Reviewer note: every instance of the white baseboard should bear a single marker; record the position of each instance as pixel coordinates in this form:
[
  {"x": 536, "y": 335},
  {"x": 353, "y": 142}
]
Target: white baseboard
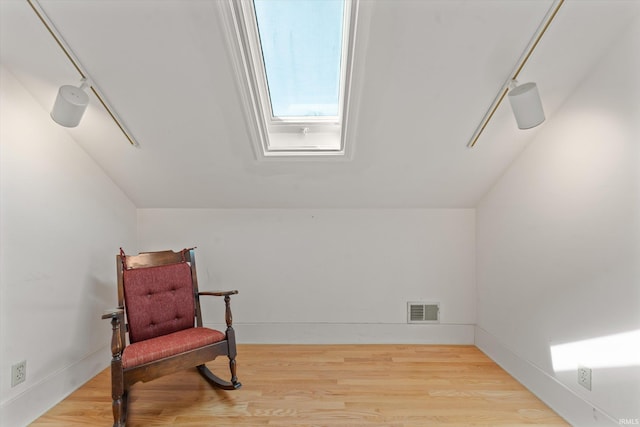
[
  {"x": 351, "y": 333},
  {"x": 41, "y": 396},
  {"x": 573, "y": 408}
]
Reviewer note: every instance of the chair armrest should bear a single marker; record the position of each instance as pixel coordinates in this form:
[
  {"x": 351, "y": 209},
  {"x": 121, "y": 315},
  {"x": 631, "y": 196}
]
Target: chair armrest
[
  {"x": 113, "y": 312},
  {"x": 218, "y": 293},
  {"x": 227, "y": 303}
]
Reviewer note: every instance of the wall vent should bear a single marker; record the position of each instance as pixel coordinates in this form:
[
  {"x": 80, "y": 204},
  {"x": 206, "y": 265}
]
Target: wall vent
[{"x": 423, "y": 312}]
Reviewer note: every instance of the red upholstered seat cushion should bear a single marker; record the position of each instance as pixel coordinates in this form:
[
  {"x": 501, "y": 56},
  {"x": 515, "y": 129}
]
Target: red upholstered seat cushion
[
  {"x": 159, "y": 300},
  {"x": 157, "y": 348}
]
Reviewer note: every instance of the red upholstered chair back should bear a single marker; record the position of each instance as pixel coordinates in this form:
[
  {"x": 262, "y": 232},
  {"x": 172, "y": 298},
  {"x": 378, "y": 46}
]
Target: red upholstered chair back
[{"x": 158, "y": 300}]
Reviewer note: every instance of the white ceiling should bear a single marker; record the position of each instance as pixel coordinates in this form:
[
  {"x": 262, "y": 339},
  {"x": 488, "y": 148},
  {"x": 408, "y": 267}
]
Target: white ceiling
[{"x": 425, "y": 73}]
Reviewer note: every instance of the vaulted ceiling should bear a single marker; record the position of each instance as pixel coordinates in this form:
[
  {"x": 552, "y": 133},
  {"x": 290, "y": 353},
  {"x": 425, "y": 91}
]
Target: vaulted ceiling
[{"x": 425, "y": 72}]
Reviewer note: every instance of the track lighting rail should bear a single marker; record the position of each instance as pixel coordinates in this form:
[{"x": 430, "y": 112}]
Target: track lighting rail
[
  {"x": 546, "y": 22},
  {"x": 81, "y": 70}
]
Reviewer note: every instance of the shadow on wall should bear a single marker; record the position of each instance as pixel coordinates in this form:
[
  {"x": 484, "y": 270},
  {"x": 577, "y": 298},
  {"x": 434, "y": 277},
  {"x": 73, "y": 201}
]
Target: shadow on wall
[{"x": 96, "y": 296}]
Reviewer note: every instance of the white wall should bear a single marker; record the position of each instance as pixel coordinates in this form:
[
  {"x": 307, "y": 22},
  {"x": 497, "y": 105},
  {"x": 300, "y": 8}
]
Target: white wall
[
  {"x": 61, "y": 223},
  {"x": 328, "y": 276},
  {"x": 558, "y": 250}
]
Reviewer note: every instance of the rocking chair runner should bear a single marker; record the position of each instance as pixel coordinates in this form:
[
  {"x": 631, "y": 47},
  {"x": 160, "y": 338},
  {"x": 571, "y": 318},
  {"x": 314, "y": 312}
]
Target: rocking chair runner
[{"x": 158, "y": 291}]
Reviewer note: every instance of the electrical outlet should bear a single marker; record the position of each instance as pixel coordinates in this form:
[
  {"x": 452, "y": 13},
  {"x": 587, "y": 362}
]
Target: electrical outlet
[
  {"x": 18, "y": 373},
  {"x": 584, "y": 377}
]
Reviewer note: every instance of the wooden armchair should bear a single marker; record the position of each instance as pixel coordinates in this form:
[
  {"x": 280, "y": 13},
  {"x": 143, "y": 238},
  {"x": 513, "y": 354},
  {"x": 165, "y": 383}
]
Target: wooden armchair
[{"x": 158, "y": 294}]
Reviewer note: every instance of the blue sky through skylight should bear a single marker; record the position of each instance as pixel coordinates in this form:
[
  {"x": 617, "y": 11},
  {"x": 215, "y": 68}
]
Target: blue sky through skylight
[{"x": 301, "y": 48}]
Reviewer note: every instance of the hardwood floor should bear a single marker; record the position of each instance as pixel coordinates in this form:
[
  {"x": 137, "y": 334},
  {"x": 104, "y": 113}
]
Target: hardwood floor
[{"x": 324, "y": 385}]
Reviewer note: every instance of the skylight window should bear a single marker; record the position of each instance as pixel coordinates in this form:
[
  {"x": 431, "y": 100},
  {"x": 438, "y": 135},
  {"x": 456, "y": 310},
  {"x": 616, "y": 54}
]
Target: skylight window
[
  {"x": 296, "y": 55},
  {"x": 301, "y": 49}
]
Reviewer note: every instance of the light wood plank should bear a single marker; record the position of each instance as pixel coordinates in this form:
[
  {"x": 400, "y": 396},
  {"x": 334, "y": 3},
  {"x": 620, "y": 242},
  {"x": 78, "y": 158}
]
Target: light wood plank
[{"x": 324, "y": 385}]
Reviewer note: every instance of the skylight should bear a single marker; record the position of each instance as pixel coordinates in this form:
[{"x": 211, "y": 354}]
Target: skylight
[
  {"x": 301, "y": 49},
  {"x": 296, "y": 57}
]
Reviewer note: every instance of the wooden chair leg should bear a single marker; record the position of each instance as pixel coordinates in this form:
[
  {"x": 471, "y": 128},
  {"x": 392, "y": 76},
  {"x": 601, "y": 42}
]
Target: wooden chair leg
[
  {"x": 232, "y": 368},
  {"x": 231, "y": 340},
  {"x": 120, "y": 409},
  {"x": 231, "y": 352},
  {"x": 118, "y": 394},
  {"x": 118, "y": 413}
]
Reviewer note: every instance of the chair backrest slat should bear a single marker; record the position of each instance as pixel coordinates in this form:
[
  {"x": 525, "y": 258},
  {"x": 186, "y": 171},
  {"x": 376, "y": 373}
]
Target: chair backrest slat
[{"x": 155, "y": 259}]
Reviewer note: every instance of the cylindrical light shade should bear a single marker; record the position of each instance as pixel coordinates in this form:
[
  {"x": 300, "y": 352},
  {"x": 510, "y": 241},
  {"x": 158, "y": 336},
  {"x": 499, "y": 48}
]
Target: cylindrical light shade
[
  {"x": 70, "y": 105},
  {"x": 526, "y": 105}
]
